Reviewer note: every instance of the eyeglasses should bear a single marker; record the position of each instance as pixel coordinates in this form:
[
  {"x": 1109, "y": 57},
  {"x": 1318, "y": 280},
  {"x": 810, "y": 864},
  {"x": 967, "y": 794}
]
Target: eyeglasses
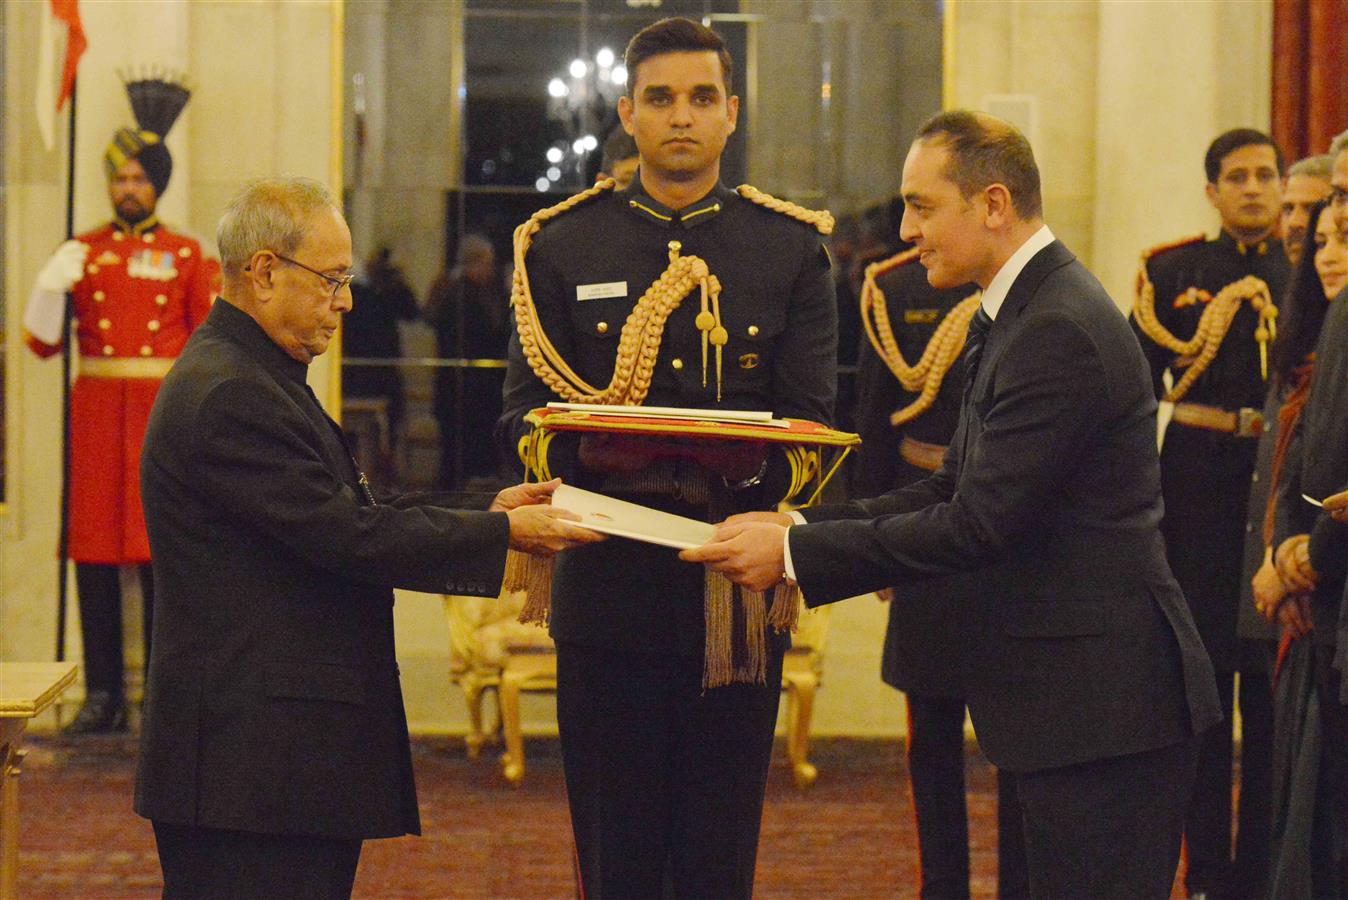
[{"x": 337, "y": 283}]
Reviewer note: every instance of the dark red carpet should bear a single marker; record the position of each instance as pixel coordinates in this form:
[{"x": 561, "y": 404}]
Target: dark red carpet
[{"x": 850, "y": 836}]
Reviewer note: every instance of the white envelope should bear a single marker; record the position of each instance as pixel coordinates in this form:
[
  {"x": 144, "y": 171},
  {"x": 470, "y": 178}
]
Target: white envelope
[{"x": 632, "y": 520}]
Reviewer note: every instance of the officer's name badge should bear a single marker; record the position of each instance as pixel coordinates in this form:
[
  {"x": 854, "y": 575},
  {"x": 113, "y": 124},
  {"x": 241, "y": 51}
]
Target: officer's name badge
[
  {"x": 600, "y": 291},
  {"x": 920, "y": 316},
  {"x": 156, "y": 265}
]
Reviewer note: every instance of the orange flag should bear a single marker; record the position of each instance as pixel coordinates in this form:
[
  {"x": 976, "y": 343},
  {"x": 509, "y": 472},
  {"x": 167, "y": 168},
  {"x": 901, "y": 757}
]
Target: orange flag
[{"x": 57, "y": 15}]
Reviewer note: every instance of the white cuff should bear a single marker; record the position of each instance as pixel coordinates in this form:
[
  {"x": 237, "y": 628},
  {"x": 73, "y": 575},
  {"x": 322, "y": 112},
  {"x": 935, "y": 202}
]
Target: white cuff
[
  {"x": 796, "y": 517},
  {"x": 786, "y": 555}
]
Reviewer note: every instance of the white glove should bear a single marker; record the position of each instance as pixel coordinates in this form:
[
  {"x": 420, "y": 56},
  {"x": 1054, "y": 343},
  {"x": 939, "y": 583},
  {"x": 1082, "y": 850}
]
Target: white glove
[{"x": 65, "y": 267}]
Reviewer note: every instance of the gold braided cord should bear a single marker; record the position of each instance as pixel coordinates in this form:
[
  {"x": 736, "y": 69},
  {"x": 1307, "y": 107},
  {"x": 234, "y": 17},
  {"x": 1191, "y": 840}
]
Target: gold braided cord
[
  {"x": 821, "y": 219},
  {"x": 642, "y": 332},
  {"x": 926, "y": 376},
  {"x": 1213, "y": 325}
]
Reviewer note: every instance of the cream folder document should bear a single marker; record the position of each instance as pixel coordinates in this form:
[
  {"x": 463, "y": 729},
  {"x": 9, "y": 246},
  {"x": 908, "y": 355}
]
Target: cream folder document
[{"x": 632, "y": 520}]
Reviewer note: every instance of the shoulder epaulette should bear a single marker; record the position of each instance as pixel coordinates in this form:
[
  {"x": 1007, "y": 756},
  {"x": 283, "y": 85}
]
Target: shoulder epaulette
[
  {"x": 1173, "y": 245},
  {"x": 570, "y": 203},
  {"x": 819, "y": 218},
  {"x": 889, "y": 264}
]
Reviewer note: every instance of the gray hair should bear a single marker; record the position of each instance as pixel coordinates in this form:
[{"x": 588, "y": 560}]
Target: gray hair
[
  {"x": 1320, "y": 167},
  {"x": 1339, "y": 144},
  {"x": 269, "y": 214},
  {"x": 474, "y": 247}
]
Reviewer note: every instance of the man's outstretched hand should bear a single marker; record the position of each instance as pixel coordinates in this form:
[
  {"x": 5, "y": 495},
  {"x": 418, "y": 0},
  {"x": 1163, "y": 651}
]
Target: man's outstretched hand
[
  {"x": 545, "y": 530},
  {"x": 746, "y": 549},
  {"x": 524, "y": 495},
  {"x": 535, "y": 525}
]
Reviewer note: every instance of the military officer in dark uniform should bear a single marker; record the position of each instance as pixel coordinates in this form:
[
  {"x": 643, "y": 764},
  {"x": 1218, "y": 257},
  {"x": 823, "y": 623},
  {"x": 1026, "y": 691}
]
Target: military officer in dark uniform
[
  {"x": 906, "y": 417},
  {"x": 665, "y": 778},
  {"x": 1219, "y": 380}
]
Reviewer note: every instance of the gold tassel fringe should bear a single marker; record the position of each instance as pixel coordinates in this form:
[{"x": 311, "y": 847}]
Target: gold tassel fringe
[
  {"x": 533, "y": 575},
  {"x": 719, "y": 659},
  {"x": 755, "y": 668},
  {"x": 785, "y": 614}
]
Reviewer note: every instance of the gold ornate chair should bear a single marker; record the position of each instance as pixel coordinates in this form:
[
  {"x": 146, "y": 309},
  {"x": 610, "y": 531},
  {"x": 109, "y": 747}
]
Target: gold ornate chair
[
  {"x": 489, "y": 650},
  {"x": 801, "y": 671},
  {"x": 481, "y": 632}
]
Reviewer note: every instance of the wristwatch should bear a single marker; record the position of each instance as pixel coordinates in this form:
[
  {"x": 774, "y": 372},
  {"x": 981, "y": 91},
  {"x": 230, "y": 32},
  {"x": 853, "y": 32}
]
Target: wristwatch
[{"x": 750, "y": 481}]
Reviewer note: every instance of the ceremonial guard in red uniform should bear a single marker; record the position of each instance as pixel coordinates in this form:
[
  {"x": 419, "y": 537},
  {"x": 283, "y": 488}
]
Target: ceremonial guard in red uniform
[
  {"x": 1205, "y": 312},
  {"x": 138, "y": 291}
]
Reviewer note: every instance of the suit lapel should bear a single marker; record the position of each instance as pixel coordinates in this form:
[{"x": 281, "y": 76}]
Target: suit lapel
[
  {"x": 1023, "y": 289},
  {"x": 1050, "y": 259}
]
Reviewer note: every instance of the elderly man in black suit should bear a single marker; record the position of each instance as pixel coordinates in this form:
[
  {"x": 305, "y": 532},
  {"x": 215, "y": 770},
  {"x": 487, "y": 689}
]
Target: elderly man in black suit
[
  {"x": 1087, "y": 677},
  {"x": 275, "y": 739}
]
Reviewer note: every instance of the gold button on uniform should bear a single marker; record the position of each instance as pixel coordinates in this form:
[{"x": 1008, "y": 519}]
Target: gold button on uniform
[
  {"x": 184, "y": 252},
  {"x": 91, "y": 269},
  {"x": 104, "y": 324},
  {"x": 153, "y": 325},
  {"x": 161, "y": 300},
  {"x": 149, "y": 238},
  {"x": 602, "y": 328},
  {"x": 99, "y": 296},
  {"x": 753, "y": 331},
  {"x": 107, "y": 350},
  {"x": 146, "y": 350},
  {"x": 676, "y": 363},
  {"x": 117, "y": 236}
]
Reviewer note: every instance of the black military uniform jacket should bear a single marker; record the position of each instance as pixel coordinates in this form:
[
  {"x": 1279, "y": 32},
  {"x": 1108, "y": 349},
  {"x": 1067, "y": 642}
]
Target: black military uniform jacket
[
  {"x": 777, "y": 303},
  {"x": 1205, "y": 475},
  {"x": 923, "y": 650}
]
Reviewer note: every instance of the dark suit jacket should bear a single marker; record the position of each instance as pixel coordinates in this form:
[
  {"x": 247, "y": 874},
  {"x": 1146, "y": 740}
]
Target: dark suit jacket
[
  {"x": 273, "y": 703},
  {"x": 1082, "y": 647}
]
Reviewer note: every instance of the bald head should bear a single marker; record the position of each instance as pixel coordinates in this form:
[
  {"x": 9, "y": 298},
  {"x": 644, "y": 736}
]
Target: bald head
[{"x": 985, "y": 150}]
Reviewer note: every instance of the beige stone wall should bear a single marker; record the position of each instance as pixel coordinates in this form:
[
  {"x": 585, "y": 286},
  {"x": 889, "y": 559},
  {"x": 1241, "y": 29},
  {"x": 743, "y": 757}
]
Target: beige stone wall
[
  {"x": 263, "y": 105},
  {"x": 1126, "y": 97},
  {"x": 1038, "y": 59}
]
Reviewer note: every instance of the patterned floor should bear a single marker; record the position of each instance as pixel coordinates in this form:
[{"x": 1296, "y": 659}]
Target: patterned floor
[{"x": 850, "y": 836}]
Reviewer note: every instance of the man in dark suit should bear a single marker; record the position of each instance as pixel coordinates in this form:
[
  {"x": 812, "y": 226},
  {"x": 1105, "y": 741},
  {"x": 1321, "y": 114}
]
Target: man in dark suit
[
  {"x": 906, "y": 416},
  {"x": 1086, "y": 675},
  {"x": 275, "y": 739}
]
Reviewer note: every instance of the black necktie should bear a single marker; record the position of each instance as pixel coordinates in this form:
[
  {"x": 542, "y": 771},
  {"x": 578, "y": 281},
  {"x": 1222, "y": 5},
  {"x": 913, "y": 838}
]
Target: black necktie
[{"x": 979, "y": 326}]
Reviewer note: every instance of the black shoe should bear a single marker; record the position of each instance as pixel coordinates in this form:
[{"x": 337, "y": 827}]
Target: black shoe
[{"x": 102, "y": 713}]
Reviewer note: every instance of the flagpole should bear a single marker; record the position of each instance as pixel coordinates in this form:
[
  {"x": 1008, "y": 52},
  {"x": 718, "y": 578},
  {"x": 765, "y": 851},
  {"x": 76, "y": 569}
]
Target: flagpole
[{"x": 62, "y": 578}]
